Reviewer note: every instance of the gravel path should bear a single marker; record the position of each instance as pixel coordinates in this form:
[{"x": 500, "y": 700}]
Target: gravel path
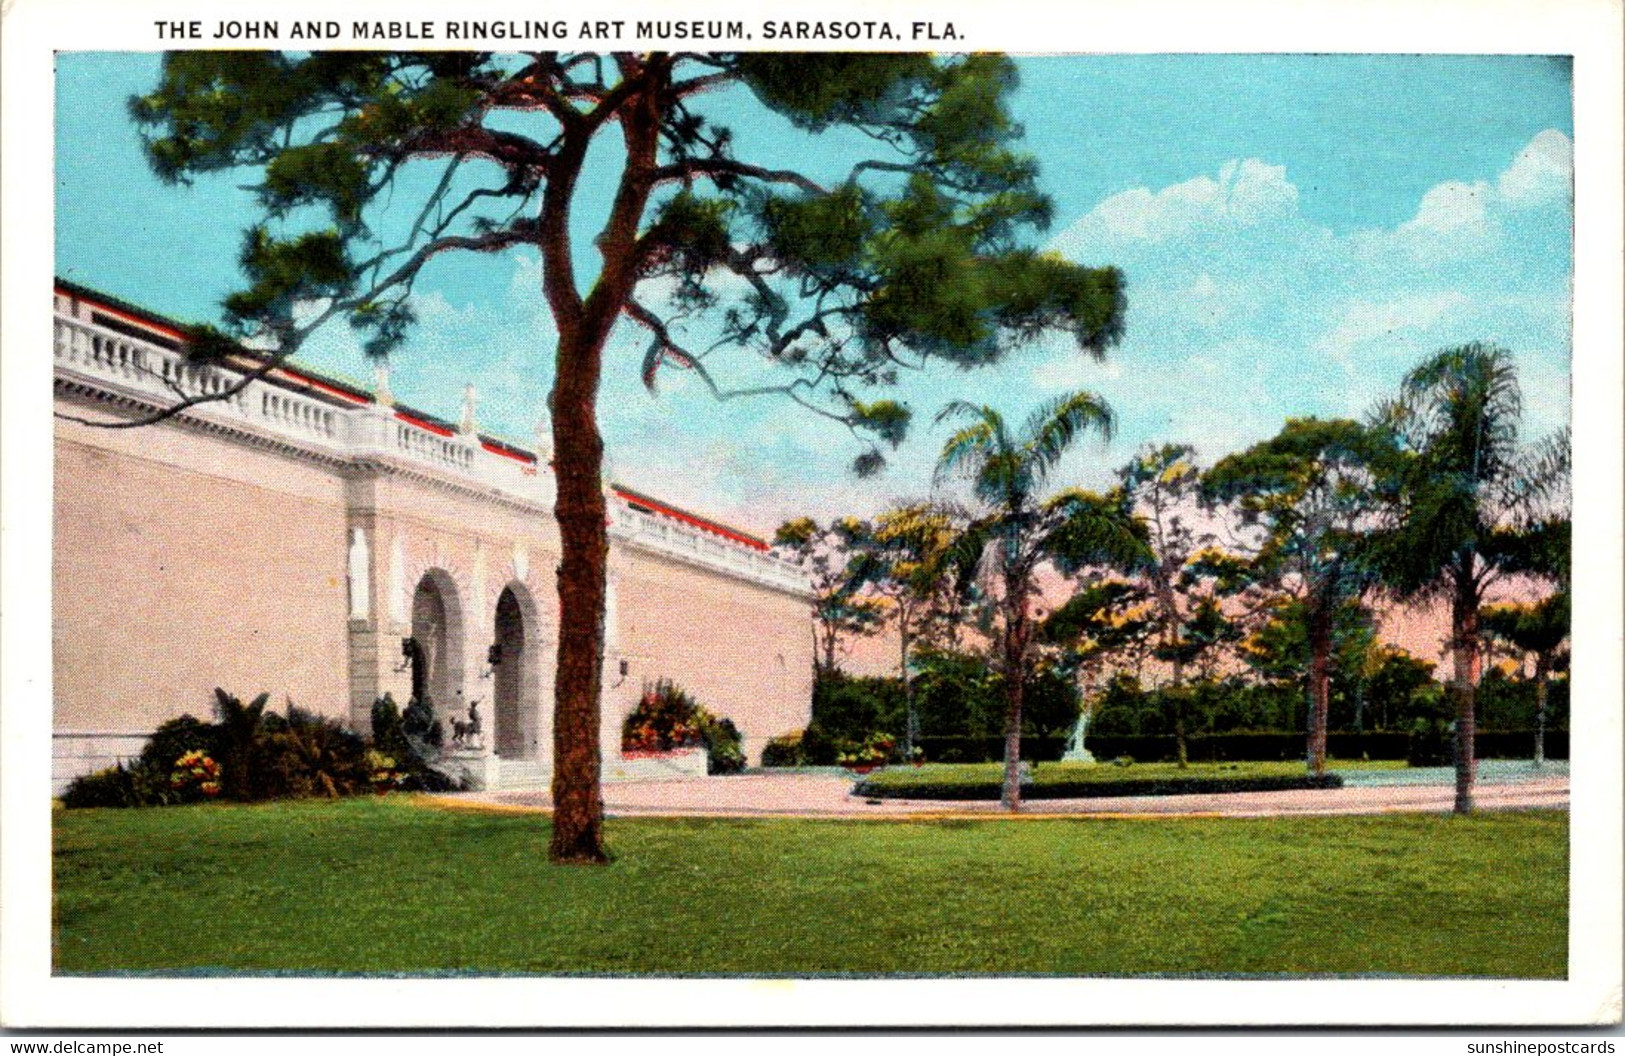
[{"x": 829, "y": 796}]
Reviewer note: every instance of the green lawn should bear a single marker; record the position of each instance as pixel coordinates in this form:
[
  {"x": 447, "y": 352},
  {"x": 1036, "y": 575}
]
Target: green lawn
[{"x": 391, "y": 885}]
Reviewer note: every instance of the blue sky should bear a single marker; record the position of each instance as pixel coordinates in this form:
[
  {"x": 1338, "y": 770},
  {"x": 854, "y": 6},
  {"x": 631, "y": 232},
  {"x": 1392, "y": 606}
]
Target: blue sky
[{"x": 1296, "y": 231}]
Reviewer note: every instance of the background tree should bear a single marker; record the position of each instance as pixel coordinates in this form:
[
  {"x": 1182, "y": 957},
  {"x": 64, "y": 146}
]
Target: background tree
[
  {"x": 1184, "y": 572},
  {"x": 1018, "y": 530},
  {"x": 839, "y": 607},
  {"x": 1459, "y": 502},
  {"x": 905, "y": 560},
  {"x": 1401, "y": 688},
  {"x": 1307, "y": 496},
  {"x": 913, "y": 254},
  {"x": 1105, "y": 621},
  {"x": 1280, "y": 648},
  {"x": 1161, "y": 485},
  {"x": 1541, "y": 630}
]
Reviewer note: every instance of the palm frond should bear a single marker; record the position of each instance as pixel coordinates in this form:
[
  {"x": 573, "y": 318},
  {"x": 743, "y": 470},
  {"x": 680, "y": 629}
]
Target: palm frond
[
  {"x": 1053, "y": 426},
  {"x": 965, "y": 452},
  {"x": 1537, "y": 487}
]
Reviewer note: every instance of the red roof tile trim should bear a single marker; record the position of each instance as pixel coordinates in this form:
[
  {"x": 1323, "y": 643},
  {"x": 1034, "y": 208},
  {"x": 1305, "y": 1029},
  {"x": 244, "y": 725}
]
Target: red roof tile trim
[
  {"x": 508, "y": 452},
  {"x": 688, "y": 518},
  {"x": 409, "y": 419}
]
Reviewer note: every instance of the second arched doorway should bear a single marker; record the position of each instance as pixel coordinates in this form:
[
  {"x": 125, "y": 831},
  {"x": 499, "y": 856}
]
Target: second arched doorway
[{"x": 516, "y": 675}]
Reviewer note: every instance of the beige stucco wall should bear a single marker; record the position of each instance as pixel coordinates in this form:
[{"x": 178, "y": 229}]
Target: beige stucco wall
[
  {"x": 741, "y": 650},
  {"x": 181, "y": 562}
]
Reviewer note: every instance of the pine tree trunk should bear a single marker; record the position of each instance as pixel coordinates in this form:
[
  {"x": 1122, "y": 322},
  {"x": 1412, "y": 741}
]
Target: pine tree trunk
[
  {"x": 578, "y": 449},
  {"x": 1468, "y": 658},
  {"x": 578, "y": 806},
  {"x": 1320, "y": 648}
]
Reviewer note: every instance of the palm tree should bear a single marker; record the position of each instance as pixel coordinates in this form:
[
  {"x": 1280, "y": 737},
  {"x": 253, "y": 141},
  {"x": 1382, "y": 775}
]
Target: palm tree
[
  {"x": 1018, "y": 530},
  {"x": 1460, "y": 497}
]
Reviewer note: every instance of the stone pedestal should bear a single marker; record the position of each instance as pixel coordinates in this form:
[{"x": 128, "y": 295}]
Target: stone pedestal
[{"x": 476, "y": 768}]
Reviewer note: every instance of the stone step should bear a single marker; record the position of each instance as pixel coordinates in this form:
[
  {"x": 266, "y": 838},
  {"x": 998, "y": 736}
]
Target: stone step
[
  {"x": 530, "y": 775},
  {"x": 523, "y": 775}
]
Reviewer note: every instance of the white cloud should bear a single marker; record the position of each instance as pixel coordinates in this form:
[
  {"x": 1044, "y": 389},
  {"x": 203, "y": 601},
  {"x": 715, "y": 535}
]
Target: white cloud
[
  {"x": 1543, "y": 172},
  {"x": 1400, "y": 320},
  {"x": 1247, "y": 192},
  {"x": 1452, "y": 208},
  {"x": 1243, "y": 312}
]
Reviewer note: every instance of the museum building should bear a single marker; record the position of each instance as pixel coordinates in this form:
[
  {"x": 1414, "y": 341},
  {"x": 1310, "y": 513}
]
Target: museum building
[{"x": 320, "y": 542}]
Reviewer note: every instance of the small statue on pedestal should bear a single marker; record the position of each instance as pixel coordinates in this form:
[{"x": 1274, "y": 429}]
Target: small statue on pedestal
[{"x": 466, "y": 734}]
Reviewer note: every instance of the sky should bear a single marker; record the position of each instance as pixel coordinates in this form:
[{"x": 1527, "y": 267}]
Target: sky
[{"x": 1296, "y": 233}]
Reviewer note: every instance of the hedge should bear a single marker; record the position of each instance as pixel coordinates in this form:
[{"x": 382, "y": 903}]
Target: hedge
[
  {"x": 1274, "y": 747},
  {"x": 989, "y": 749},
  {"x": 1194, "y": 784}
]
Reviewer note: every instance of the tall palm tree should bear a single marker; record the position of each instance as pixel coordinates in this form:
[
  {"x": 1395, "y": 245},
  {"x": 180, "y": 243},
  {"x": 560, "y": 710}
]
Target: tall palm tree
[
  {"x": 1460, "y": 498},
  {"x": 1017, "y": 530}
]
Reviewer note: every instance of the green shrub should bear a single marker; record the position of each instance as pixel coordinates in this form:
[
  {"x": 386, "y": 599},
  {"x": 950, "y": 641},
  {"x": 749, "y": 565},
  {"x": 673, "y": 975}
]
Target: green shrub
[
  {"x": 116, "y": 786},
  {"x": 174, "y": 739},
  {"x": 847, "y": 708},
  {"x": 306, "y": 754},
  {"x": 411, "y": 758},
  {"x": 785, "y": 750},
  {"x": 724, "y": 746},
  {"x": 238, "y": 730},
  {"x": 989, "y": 749},
  {"x": 1432, "y": 743}
]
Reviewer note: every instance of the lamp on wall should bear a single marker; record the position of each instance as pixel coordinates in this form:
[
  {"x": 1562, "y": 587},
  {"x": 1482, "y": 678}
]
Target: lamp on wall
[
  {"x": 409, "y": 653},
  {"x": 626, "y": 668},
  {"x": 493, "y": 657}
]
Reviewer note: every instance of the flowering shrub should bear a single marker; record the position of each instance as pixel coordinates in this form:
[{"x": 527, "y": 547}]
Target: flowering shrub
[
  {"x": 195, "y": 776},
  {"x": 668, "y": 719},
  {"x": 384, "y": 774},
  {"x": 875, "y": 751},
  {"x": 663, "y": 721}
]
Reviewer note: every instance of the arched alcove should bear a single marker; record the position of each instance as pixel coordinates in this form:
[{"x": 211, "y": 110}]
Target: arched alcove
[
  {"x": 517, "y": 674},
  {"x": 437, "y": 627}
]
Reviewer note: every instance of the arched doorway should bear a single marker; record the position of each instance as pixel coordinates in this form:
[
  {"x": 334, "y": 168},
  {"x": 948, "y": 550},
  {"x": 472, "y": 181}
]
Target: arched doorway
[
  {"x": 437, "y": 628},
  {"x": 516, "y": 687}
]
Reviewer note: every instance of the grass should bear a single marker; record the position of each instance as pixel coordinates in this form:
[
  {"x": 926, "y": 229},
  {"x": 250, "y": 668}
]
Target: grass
[{"x": 395, "y": 886}]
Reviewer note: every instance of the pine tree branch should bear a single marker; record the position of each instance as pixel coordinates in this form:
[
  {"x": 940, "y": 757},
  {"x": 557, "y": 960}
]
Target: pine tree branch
[{"x": 689, "y": 168}]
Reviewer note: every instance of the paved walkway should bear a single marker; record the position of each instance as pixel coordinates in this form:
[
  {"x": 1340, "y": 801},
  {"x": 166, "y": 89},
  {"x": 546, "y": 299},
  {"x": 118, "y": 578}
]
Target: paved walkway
[{"x": 805, "y": 795}]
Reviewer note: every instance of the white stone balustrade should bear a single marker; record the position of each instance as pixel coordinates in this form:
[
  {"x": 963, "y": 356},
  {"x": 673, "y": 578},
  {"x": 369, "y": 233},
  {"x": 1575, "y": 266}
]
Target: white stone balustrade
[
  {"x": 124, "y": 366},
  {"x": 148, "y": 372},
  {"x": 686, "y": 542}
]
